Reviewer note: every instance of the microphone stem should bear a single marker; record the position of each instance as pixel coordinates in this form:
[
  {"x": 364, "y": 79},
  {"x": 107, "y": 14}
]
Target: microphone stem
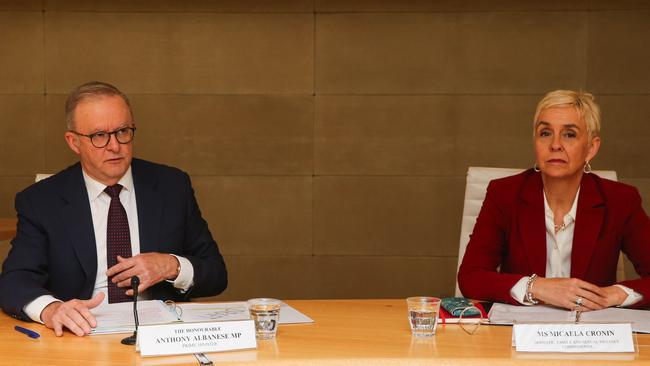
[
  {"x": 135, "y": 312},
  {"x": 135, "y": 282}
]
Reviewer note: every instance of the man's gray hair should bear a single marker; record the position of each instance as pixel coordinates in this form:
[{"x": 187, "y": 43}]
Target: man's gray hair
[{"x": 93, "y": 89}]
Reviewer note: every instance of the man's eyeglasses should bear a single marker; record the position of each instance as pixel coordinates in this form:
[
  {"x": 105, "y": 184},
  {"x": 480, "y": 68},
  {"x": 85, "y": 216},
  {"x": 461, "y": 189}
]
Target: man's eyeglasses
[{"x": 100, "y": 139}]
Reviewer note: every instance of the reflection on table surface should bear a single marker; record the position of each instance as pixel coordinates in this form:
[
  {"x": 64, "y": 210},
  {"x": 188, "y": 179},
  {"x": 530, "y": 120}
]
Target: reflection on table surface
[{"x": 349, "y": 332}]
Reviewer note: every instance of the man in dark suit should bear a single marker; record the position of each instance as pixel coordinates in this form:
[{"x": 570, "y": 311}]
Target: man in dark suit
[{"x": 84, "y": 232}]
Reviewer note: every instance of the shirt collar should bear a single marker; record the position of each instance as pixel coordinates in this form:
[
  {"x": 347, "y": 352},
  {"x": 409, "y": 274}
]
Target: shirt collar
[
  {"x": 572, "y": 212},
  {"x": 95, "y": 188}
]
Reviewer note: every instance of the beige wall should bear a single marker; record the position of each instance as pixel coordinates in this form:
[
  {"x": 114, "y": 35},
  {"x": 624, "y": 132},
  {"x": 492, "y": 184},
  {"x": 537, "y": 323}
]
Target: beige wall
[{"x": 327, "y": 140}]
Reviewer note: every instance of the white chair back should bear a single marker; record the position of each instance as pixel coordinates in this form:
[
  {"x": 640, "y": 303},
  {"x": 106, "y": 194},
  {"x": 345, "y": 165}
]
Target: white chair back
[
  {"x": 475, "y": 189},
  {"x": 40, "y": 177}
]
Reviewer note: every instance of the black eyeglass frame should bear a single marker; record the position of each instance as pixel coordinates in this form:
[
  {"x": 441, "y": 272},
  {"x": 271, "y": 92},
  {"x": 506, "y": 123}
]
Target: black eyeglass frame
[{"x": 114, "y": 132}]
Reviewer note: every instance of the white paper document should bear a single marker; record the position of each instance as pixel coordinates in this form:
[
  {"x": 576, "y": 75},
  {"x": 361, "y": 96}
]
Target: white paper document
[
  {"x": 509, "y": 314},
  {"x": 203, "y": 312},
  {"x": 118, "y": 318},
  {"x": 289, "y": 315},
  {"x": 195, "y": 312}
]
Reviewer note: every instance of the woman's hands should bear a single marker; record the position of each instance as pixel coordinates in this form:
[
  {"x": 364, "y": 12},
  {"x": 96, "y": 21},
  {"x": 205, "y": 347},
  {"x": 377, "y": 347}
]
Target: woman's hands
[
  {"x": 615, "y": 295},
  {"x": 575, "y": 294}
]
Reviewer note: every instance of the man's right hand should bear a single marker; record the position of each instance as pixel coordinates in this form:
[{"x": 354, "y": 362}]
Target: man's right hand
[{"x": 74, "y": 315}]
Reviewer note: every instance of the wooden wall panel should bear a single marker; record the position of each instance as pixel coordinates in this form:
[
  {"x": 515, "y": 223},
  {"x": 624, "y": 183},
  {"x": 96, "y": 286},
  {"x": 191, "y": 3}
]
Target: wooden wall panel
[{"x": 327, "y": 140}]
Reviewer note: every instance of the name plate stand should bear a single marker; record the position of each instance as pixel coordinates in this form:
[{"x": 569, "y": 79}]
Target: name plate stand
[
  {"x": 183, "y": 338},
  {"x": 573, "y": 337}
]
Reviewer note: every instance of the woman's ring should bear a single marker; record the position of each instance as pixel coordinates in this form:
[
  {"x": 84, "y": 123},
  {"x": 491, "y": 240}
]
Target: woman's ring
[{"x": 578, "y": 301}]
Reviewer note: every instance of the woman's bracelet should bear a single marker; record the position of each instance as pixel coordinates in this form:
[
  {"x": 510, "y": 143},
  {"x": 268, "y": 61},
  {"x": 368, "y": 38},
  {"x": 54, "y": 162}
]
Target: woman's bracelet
[{"x": 529, "y": 287}]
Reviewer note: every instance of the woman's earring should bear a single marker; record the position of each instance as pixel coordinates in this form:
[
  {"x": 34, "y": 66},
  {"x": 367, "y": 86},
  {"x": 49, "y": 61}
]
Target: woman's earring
[
  {"x": 536, "y": 168},
  {"x": 587, "y": 167}
]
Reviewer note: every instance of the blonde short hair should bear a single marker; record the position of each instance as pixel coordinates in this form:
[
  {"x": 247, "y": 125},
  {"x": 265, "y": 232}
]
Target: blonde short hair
[{"x": 583, "y": 102}]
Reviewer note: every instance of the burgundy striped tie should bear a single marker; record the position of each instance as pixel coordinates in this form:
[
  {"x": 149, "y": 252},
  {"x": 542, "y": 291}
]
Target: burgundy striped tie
[{"x": 118, "y": 240}]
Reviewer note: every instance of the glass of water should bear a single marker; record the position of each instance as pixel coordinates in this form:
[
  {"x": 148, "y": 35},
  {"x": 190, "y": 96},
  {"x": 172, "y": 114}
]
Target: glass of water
[
  {"x": 423, "y": 315},
  {"x": 266, "y": 315}
]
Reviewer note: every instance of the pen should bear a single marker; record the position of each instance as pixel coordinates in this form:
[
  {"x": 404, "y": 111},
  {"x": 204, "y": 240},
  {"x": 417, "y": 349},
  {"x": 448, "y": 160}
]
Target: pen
[
  {"x": 578, "y": 313},
  {"x": 27, "y": 332}
]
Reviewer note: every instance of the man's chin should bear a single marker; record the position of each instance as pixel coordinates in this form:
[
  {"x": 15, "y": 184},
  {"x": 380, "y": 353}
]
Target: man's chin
[{"x": 115, "y": 171}]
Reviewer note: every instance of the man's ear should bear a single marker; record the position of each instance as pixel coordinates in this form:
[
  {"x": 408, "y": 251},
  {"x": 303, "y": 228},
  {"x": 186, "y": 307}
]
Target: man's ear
[{"x": 73, "y": 141}]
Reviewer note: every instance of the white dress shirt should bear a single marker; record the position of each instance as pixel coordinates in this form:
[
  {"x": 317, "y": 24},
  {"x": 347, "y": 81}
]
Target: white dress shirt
[
  {"x": 558, "y": 254},
  {"x": 99, "y": 204}
]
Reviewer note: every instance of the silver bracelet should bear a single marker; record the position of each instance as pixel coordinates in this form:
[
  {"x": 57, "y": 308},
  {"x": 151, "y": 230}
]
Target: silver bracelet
[{"x": 529, "y": 286}]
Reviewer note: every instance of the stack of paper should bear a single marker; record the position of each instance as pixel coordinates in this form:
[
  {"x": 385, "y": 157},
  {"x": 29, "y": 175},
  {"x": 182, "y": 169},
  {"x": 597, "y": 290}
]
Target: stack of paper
[
  {"x": 205, "y": 312},
  {"x": 509, "y": 314},
  {"x": 118, "y": 318}
]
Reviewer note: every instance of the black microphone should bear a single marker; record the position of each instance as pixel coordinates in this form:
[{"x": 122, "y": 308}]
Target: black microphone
[{"x": 130, "y": 341}]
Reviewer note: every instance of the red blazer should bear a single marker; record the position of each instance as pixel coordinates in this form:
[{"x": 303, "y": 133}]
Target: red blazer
[{"x": 509, "y": 238}]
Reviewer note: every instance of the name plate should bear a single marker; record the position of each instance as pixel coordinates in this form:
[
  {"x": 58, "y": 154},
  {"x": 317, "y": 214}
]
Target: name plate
[
  {"x": 574, "y": 338},
  {"x": 181, "y": 338}
]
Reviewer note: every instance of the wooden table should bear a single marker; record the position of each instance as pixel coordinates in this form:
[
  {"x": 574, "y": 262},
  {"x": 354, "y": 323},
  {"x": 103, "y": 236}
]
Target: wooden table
[
  {"x": 7, "y": 229},
  {"x": 346, "y": 332}
]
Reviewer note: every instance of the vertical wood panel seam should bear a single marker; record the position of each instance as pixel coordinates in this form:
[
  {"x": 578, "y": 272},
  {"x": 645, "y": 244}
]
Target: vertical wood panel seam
[
  {"x": 313, "y": 131},
  {"x": 43, "y": 80},
  {"x": 587, "y": 49}
]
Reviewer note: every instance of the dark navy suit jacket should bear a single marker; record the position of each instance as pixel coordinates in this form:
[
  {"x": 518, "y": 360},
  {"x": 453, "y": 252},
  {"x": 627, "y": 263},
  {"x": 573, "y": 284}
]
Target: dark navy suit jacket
[
  {"x": 54, "y": 249},
  {"x": 510, "y": 234}
]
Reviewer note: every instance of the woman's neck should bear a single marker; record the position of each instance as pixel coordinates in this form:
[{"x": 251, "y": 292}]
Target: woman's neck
[{"x": 560, "y": 193}]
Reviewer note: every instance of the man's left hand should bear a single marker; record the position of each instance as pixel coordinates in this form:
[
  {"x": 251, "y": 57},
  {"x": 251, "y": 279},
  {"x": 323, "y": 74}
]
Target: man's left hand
[{"x": 151, "y": 268}]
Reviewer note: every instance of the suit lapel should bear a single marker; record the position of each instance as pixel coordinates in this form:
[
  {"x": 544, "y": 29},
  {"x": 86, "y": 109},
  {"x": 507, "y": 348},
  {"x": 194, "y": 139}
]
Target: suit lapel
[
  {"x": 532, "y": 224},
  {"x": 149, "y": 201},
  {"x": 78, "y": 222},
  {"x": 589, "y": 219}
]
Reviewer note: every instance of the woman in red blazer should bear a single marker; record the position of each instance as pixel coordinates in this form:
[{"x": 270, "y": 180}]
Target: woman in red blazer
[{"x": 553, "y": 234}]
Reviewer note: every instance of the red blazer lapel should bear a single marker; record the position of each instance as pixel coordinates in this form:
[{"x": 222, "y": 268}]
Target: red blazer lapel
[
  {"x": 531, "y": 223},
  {"x": 589, "y": 219}
]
